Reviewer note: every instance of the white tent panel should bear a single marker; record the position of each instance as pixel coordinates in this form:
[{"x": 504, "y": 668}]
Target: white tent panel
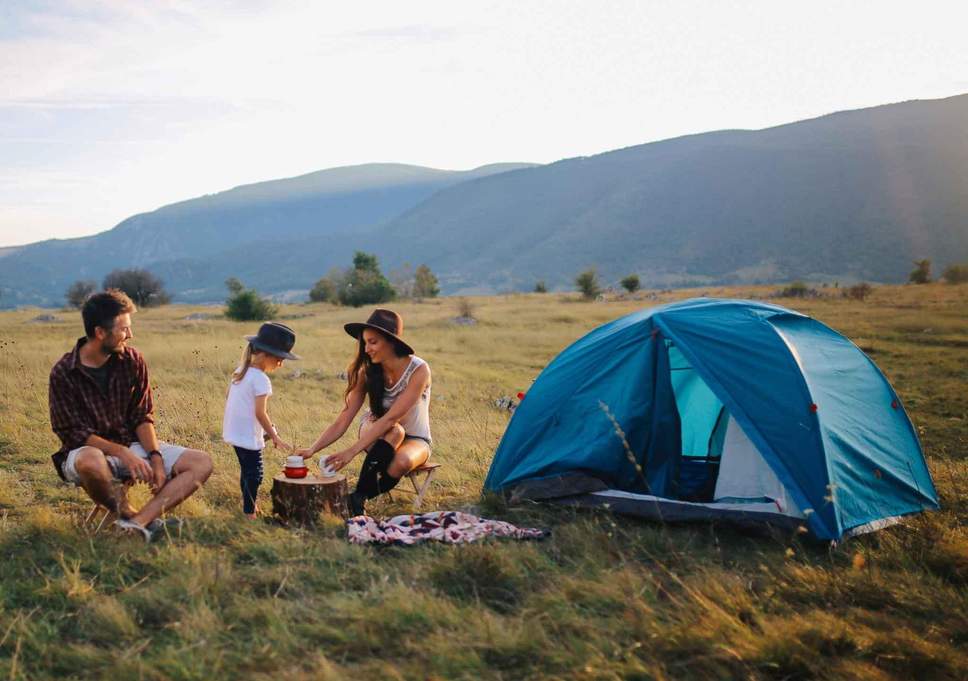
[{"x": 745, "y": 477}]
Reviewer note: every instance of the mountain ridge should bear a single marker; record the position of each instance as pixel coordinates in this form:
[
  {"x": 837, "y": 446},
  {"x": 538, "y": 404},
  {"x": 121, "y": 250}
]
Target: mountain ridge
[{"x": 845, "y": 196}]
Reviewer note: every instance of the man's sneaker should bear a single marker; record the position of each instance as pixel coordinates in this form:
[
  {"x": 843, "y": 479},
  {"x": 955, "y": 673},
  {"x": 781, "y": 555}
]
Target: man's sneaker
[
  {"x": 131, "y": 527},
  {"x": 162, "y": 525}
]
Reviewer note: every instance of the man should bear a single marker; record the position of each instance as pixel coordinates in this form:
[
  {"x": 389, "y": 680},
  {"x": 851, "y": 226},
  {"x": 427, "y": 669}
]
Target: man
[{"x": 101, "y": 409}]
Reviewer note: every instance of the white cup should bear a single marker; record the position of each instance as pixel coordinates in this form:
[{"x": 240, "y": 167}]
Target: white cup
[
  {"x": 326, "y": 469},
  {"x": 295, "y": 462}
]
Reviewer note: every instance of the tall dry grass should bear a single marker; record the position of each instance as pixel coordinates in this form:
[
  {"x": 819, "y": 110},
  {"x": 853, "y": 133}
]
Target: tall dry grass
[{"x": 603, "y": 598}]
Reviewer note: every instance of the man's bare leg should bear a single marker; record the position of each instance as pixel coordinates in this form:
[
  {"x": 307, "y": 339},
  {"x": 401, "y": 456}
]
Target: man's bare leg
[
  {"x": 188, "y": 475},
  {"x": 96, "y": 479}
]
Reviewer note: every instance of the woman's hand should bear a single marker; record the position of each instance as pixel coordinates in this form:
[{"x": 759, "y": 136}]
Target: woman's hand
[{"x": 338, "y": 460}]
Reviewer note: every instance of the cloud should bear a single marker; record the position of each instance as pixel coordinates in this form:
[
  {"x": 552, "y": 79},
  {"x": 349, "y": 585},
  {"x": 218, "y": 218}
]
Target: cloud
[{"x": 417, "y": 33}]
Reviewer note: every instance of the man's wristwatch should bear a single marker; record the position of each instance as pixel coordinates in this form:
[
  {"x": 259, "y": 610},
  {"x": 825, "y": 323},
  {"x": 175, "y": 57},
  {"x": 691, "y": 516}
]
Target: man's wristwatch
[{"x": 153, "y": 452}]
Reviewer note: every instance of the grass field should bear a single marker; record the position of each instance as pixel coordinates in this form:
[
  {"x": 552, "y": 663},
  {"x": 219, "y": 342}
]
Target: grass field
[{"x": 603, "y": 598}]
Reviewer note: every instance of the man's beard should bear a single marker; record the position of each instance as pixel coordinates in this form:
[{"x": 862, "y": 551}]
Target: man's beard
[{"x": 116, "y": 349}]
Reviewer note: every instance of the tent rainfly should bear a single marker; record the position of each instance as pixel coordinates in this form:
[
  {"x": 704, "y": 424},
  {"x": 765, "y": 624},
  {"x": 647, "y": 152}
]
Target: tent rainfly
[{"x": 718, "y": 409}]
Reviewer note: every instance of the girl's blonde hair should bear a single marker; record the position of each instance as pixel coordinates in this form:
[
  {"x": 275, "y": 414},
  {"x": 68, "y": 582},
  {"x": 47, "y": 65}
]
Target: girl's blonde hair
[{"x": 244, "y": 364}]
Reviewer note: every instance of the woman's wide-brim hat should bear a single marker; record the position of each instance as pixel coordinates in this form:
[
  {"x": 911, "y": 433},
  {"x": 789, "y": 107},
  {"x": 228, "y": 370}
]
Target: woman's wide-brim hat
[
  {"x": 276, "y": 339},
  {"x": 387, "y": 322}
]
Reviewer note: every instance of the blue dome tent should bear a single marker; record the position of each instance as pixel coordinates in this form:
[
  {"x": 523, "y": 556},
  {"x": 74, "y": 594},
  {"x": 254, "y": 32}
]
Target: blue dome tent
[{"x": 718, "y": 409}]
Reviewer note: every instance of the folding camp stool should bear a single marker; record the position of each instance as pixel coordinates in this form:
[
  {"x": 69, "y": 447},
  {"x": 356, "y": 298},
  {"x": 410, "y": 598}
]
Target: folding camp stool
[
  {"x": 97, "y": 509},
  {"x": 428, "y": 471},
  {"x": 92, "y": 518}
]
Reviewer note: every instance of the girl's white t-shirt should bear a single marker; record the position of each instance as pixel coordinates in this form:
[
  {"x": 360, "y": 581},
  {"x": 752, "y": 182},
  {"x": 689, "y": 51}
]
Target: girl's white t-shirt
[{"x": 240, "y": 427}]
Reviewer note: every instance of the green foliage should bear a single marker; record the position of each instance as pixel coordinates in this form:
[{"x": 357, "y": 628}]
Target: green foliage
[
  {"x": 921, "y": 274},
  {"x": 365, "y": 284},
  {"x": 425, "y": 283},
  {"x": 234, "y": 285},
  {"x": 540, "y": 286},
  {"x": 245, "y": 305},
  {"x": 78, "y": 292},
  {"x": 141, "y": 286},
  {"x": 587, "y": 283},
  {"x": 858, "y": 291},
  {"x": 955, "y": 274},
  {"x": 326, "y": 290},
  {"x": 631, "y": 283},
  {"x": 365, "y": 261}
]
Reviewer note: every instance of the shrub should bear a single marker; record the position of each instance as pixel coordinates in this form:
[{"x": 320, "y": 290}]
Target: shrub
[
  {"x": 465, "y": 308},
  {"x": 540, "y": 287},
  {"x": 631, "y": 283},
  {"x": 955, "y": 274},
  {"x": 365, "y": 283},
  {"x": 326, "y": 290},
  {"x": 141, "y": 286},
  {"x": 244, "y": 305},
  {"x": 858, "y": 291},
  {"x": 425, "y": 283},
  {"x": 78, "y": 292},
  {"x": 796, "y": 289},
  {"x": 587, "y": 283},
  {"x": 921, "y": 274}
]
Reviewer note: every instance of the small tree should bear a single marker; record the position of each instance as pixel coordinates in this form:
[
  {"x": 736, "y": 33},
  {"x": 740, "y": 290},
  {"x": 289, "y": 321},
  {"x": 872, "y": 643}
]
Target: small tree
[
  {"x": 587, "y": 283},
  {"x": 326, "y": 290},
  {"x": 631, "y": 283},
  {"x": 234, "y": 285},
  {"x": 244, "y": 305},
  {"x": 78, "y": 292},
  {"x": 540, "y": 287},
  {"x": 141, "y": 286},
  {"x": 956, "y": 274},
  {"x": 425, "y": 283},
  {"x": 921, "y": 274},
  {"x": 365, "y": 283}
]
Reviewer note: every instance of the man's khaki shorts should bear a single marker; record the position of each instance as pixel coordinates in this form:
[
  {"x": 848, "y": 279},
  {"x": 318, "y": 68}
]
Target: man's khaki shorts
[{"x": 169, "y": 454}]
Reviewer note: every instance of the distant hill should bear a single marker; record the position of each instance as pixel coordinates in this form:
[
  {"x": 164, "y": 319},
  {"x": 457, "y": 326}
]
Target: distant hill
[
  {"x": 190, "y": 238},
  {"x": 853, "y": 195},
  {"x": 856, "y": 195}
]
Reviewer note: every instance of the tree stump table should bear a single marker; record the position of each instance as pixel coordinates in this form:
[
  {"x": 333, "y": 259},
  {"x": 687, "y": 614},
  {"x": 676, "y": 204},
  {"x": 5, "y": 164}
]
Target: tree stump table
[{"x": 301, "y": 500}]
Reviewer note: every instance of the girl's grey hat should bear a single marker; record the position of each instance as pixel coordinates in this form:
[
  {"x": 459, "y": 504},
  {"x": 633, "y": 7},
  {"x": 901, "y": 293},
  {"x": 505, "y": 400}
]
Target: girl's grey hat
[
  {"x": 276, "y": 339},
  {"x": 387, "y": 322}
]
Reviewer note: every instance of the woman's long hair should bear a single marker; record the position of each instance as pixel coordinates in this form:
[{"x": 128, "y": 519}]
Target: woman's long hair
[
  {"x": 244, "y": 364},
  {"x": 362, "y": 369}
]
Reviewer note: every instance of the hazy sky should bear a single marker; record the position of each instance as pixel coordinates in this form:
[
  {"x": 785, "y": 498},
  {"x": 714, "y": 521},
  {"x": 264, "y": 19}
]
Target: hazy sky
[{"x": 112, "y": 107}]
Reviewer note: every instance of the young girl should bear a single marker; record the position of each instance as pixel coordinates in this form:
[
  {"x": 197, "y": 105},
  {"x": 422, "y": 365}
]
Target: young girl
[{"x": 246, "y": 421}]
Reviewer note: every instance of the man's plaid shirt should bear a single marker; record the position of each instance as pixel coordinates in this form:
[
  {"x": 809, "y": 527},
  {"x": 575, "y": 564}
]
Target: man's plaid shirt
[{"x": 79, "y": 409}]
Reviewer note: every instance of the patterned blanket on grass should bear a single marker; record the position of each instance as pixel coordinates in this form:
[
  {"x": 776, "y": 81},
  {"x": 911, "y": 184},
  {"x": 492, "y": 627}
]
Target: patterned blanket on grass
[{"x": 450, "y": 527}]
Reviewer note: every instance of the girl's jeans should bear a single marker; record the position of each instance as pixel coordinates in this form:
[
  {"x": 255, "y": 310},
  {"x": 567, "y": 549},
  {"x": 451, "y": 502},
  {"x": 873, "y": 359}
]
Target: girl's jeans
[{"x": 250, "y": 461}]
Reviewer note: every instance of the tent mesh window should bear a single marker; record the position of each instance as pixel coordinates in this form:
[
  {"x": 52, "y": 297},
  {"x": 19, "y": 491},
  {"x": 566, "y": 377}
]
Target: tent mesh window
[{"x": 703, "y": 422}]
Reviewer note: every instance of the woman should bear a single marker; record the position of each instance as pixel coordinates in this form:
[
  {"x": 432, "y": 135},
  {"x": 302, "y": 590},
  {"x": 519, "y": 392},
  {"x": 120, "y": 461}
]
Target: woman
[{"x": 395, "y": 430}]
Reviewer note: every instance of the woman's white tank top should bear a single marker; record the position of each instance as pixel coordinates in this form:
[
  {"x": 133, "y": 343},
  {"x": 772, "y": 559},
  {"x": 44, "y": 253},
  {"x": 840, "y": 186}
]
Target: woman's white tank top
[{"x": 415, "y": 422}]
